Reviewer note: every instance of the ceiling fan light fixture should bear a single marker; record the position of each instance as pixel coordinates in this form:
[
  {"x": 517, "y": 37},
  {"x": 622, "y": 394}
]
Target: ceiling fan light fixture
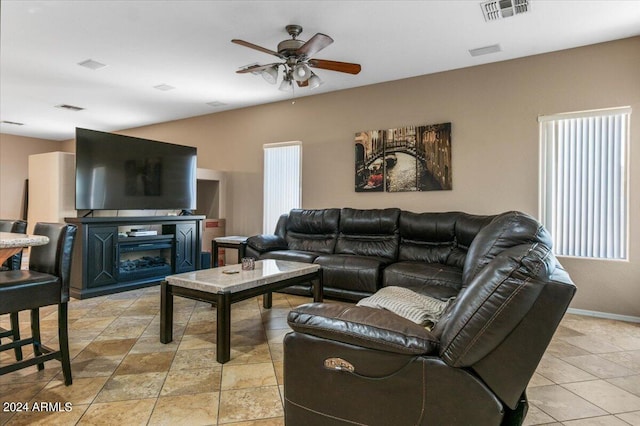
[
  {"x": 301, "y": 72},
  {"x": 270, "y": 74},
  {"x": 314, "y": 81},
  {"x": 286, "y": 86}
]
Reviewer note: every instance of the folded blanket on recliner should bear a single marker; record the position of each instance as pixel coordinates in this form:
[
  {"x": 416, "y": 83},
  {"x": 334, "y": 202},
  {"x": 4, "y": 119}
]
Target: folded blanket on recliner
[{"x": 415, "y": 307}]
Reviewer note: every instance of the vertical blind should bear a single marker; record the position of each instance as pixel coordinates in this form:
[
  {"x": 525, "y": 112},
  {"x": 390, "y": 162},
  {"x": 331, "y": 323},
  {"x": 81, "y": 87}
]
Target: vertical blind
[
  {"x": 282, "y": 181},
  {"x": 584, "y": 182}
]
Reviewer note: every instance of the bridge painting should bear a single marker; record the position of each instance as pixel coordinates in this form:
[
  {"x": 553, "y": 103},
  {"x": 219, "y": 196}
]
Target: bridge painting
[{"x": 412, "y": 158}]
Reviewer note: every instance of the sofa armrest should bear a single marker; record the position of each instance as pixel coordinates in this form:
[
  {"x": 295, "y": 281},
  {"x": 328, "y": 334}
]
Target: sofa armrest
[
  {"x": 371, "y": 328},
  {"x": 267, "y": 242}
]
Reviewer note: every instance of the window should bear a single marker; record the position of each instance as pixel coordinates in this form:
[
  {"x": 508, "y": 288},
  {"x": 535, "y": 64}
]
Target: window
[
  {"x": 583, "y": 182},
  {"x": 282, "y": 181}
]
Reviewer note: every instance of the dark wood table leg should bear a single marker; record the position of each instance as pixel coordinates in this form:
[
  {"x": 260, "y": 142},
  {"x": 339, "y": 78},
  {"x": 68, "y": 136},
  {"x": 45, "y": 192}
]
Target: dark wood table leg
[
  {"x": 267, "y": 300},
  {"x": 166, "y": 313},
  {"x": 214, "y": 254},
  {"x": 223, "y": 338},
  {"x": 242, "y": 250},
  {"x": 318, "y": 288}
]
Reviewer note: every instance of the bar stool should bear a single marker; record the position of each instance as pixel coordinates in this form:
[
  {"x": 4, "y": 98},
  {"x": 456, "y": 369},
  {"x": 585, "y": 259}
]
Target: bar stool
[
  {"x": 13, "y": 263},
  {"x": 45, "y": 283}
]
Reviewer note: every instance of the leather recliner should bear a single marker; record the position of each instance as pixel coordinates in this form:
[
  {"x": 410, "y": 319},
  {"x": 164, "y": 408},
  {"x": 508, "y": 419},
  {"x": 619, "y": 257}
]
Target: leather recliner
[{"x": 346, "y": 364}]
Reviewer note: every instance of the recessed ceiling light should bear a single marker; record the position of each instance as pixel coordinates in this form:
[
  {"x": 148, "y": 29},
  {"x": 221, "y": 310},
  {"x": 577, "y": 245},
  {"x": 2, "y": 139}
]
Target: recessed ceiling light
[
  {"x": 69, "y": 107},
  {"x": 494, "y": 48},
  {"x": 163, "y": 87},
  {"x": 91, "y": 64},
  {"x": 15, "y": 123},
  {"x": 216, "y": 104}
]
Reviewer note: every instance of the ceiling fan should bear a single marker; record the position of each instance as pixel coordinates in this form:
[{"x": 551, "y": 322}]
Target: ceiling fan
[{"x": 297, "y": 61}]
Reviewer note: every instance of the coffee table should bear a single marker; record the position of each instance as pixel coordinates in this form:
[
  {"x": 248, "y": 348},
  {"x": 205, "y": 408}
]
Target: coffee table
[{"x": 230, "y": 284}]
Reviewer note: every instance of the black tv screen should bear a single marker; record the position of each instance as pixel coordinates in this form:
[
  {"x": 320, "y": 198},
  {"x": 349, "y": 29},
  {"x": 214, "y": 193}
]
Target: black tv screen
[{"x": 116, "y": 172}]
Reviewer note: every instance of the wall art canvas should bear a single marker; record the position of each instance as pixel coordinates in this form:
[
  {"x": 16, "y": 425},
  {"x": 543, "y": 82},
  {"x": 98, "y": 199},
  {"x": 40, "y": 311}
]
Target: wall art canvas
[{"x": 412, "y": 158}]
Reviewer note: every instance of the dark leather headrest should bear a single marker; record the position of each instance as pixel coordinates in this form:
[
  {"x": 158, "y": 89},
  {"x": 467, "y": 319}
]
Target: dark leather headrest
[
  {"x": 321, "y": 221},
  {"x": 495, "y": 301},
  {"x": 506, "y": 230},
  {"x": 369, "y": 222}
]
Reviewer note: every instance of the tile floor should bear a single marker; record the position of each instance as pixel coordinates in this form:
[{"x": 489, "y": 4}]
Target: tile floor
[{"x": 123, "y": 375}]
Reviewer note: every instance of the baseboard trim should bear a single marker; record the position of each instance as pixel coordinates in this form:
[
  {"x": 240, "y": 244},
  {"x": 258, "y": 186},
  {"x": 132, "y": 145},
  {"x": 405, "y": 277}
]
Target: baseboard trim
[{"x": 606, "y": 315}]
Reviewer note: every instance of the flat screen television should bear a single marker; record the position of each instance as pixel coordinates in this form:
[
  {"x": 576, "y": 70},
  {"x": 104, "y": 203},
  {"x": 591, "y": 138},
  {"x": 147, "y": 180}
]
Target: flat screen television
[{"x": 116, "y": 172}]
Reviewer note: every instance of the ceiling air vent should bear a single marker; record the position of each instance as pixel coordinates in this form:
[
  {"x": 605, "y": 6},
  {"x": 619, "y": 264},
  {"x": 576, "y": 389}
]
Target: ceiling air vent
[
  {"x": 216, "y": 104},
  {"x": 498, "y": 9},
  {"x": 164, "y": 87},
  {"x": 15, "y": 123},
  {"x": 91, "y": 64},
  {"x": 69, "y": 107},
  {"x": 486, "y": 50}
]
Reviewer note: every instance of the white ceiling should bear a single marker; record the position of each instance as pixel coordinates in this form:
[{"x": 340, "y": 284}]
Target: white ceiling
[{"x": 186, "y": 44}]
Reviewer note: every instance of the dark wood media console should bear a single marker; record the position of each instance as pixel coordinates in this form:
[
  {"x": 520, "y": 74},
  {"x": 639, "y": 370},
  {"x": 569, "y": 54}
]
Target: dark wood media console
[{"x": 106, "y": 261}]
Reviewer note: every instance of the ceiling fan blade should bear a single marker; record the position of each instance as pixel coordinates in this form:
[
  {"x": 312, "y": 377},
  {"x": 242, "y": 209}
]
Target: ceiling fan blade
[
  {"x": 256, "y": 47},
  {"x": 314, "y": 45},
  {"x": 335, "y": 66},
  {"x": 254, "y": 68}
]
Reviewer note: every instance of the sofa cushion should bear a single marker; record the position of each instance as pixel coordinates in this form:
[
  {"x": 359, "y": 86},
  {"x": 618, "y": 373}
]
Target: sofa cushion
[
  {"x": 291, "y": 255},
  {"x": 426, "y": 237},
  {"x": 432, "y": 279},
  {"x": 467, "y": 227},
  {"x": 313, "y": 230},
  {"x": 362, "y": 326},
  {"x": 369, "y": 233},
  {"x": 358, "y": 273},
  {"x": 415, "y": 307},
  {"x": 266, "y": 242}
]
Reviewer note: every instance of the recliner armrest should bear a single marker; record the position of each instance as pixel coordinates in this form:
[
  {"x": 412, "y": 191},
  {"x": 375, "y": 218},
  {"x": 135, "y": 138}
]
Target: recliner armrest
[
  {"x": 267, "y": 242},
  {"x": 371, "y": 328}
]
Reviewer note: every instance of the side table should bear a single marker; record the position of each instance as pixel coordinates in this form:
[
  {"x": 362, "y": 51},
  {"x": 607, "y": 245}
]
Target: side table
[{"x": 234, "y": 242}]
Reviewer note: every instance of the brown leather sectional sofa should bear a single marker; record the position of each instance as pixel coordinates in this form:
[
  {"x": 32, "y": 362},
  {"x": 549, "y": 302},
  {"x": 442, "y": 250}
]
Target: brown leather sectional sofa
[
  {"x": 346, "y": 364},
  {"x": 363, "y": 250}
]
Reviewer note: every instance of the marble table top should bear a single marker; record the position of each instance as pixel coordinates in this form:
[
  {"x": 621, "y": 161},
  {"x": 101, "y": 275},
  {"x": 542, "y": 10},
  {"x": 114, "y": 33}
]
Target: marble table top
[
  {"x": 11, "y": 240},
  {"x": 232, "y": 278},
  {"x": 232, "y": 239}
]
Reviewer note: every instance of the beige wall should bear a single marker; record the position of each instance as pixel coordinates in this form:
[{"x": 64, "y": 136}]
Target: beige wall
[
  {"x": 14, "y": 161},
  {"x": 493, "y": 110}
]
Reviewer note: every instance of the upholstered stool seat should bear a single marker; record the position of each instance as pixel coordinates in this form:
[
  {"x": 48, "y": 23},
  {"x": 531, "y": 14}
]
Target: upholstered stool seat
[{"x": 21, "y": 290}]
